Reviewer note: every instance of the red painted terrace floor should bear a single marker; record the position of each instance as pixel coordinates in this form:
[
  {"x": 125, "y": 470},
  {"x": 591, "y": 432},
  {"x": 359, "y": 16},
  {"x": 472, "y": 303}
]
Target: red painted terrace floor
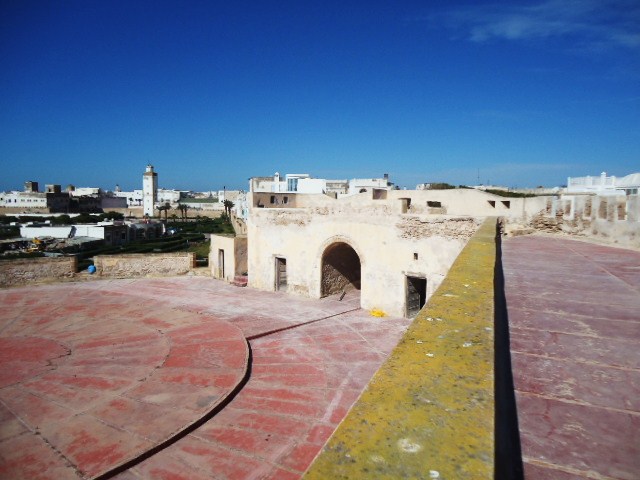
[
  {"x": 574, "y": 320},
  {"x": 178, "y": 378}
]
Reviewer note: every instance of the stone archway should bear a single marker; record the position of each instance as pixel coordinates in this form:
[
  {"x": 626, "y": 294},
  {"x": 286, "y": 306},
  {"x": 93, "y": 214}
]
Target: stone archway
[{"x": 341, "y": 269}]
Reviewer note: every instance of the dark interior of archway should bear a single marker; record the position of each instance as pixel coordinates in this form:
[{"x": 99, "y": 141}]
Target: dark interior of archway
[{"x": 340, "y": 269}]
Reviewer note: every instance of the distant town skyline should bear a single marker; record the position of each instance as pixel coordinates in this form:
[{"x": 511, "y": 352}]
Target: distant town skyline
[{"x": 211, "y": 93}]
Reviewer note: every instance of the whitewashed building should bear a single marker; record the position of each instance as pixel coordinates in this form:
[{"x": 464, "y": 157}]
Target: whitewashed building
[
  {"x": 605, "y": 185},
  {"x": 149, "y": 191},
  {"x": 305, "y": 184}
]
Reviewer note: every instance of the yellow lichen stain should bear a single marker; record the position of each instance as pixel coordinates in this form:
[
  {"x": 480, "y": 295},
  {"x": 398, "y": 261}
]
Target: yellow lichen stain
[
  {"x": 377, "y": 313},
  {"x": 430, "y": 407}
]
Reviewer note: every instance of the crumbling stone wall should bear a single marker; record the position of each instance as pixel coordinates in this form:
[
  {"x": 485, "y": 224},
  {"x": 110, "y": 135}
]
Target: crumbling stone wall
[
  {"x": 449, "y": 228},
  {"x": 613, "y": 218},
  {"x": 341, "y": 269},
  {"x": 142, "y": 265},
  {"x": 544, "y": 222},
  {"x": 34, "y": 270}
]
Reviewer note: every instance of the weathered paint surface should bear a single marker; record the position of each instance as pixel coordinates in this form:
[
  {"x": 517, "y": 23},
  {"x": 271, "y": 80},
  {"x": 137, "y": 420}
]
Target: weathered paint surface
[
  {"x": 429, "y": 411},
  {"x": 574, "y": 320},
  {"x": 72, "y": 355},
  {"x": 390, "y": 245},
  {"x": 32, "y": 270},
  {"x": 133, "y": 265}
]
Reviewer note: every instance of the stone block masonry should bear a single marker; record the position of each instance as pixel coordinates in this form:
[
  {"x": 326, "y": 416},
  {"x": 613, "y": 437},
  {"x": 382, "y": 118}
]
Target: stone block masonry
[
  {"x": 36, "y": 270},
  {"x": 144, "y": 265}
]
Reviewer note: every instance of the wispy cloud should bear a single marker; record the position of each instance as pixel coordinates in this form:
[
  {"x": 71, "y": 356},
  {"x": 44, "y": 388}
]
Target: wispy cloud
[{"x": 592, "y": 24}]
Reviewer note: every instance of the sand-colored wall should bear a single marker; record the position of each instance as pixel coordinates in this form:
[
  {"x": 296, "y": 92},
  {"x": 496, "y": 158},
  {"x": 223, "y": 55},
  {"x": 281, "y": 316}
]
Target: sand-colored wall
[
  {"x": 429, "y": 411},
  {"x": 142, "y": 265},
  {"x": 33, "y": 270},
  {"x": 612, "y": 219},
  {"x": 390, "y": 246},
  {"x": 235, "y": 256}
]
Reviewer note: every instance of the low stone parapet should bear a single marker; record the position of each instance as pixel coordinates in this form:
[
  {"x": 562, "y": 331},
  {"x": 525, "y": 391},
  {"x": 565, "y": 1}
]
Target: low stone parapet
[
  {"x": 144, "y": 265},
  {"x": 36, "y": 270},
  {"x": 429, "y": 411}
]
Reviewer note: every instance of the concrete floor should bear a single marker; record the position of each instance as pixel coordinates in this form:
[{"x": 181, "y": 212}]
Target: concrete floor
[
  {"x": 574, "y": 319},
  {"x": 97, "y": 375}
]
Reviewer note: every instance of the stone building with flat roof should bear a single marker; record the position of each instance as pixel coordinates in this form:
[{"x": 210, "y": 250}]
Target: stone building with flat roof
[{"x": 392, "y": 247}]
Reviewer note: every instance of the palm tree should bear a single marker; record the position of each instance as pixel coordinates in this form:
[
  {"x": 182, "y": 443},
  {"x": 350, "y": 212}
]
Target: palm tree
[
  {"x": 228, "y": 205},
  {"x": 183, "y": 210},
  {"x": 164, "y": 208}
]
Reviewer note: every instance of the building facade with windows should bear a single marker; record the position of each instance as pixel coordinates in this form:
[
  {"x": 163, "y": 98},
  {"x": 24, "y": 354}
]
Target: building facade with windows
[
  {"x": 392, "y": 247},
  {"x": 149, "y": 191},
  {"x": 605, "y": 185}
]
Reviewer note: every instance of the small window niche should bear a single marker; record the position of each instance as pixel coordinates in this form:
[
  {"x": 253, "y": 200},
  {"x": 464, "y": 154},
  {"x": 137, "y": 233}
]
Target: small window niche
[
  {"x": 415, "y": 256},
  {"x": 492, "y": 203},
  {"x": 272, "y": 200},
  {"x": 506, "y": 203}
]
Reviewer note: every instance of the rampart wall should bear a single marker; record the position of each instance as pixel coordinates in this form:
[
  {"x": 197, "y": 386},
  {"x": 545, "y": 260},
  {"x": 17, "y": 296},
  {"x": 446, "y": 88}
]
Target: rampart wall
[
  {"x": 429, "y": 412},
  {"x": 34, "y": 270},
  {"x": 143, "y": 265},
  {"x": 611, "y": 218}
]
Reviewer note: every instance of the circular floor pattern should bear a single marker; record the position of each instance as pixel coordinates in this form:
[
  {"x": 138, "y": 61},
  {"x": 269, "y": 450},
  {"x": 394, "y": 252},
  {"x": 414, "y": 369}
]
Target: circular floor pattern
[{"x": 90, "y": 380}]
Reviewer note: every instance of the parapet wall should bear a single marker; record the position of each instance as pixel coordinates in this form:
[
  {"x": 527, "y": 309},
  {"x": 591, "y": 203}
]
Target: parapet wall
[
  {"x": 34, "y": 270},
  {"x": 429, "y": 411},
  {"x": 143, "y": 265},
  {"x": 611, "y": 218}
]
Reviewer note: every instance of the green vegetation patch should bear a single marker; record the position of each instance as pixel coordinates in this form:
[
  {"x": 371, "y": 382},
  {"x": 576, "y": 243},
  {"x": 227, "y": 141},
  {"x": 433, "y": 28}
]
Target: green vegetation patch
[{"x": 503, "y": 193}]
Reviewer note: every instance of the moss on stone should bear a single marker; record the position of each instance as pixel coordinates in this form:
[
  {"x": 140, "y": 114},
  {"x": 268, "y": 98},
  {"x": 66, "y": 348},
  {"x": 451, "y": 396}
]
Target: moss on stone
[{"x": 429, "y": 410}]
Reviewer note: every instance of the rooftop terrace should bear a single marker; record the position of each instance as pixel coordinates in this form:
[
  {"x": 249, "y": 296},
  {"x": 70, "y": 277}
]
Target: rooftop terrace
[{"x": 188, "y": 377}]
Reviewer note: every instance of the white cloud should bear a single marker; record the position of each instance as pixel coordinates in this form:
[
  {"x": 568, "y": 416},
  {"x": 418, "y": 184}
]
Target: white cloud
[{"x": 593, "y": 24}]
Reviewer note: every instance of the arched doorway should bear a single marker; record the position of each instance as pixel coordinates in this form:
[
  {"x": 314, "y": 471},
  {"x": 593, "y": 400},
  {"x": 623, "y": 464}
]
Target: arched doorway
[{"x": 341, "y": 269}]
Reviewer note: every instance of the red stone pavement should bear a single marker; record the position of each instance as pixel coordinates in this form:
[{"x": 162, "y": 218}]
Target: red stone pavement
[
  {"x": 92, "y": 375},
  {"x": 574, "y": 320}
]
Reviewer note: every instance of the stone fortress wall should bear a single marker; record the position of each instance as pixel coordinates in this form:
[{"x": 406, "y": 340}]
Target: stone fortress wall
[
  {"x": 144, "y": 265},
  {"x": 396, "y": 236},
  {"x": 33, "y": 270},
  {"x": 609, "y": 218}
]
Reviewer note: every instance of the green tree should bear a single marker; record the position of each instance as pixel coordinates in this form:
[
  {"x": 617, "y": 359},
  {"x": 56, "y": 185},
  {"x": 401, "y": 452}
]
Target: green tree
[
  {"x": 183, "y": 210},
  {"x": 113, "y": 216},
  {"x": 228, "y": 205},
  {"x": 164, "y": 208}
]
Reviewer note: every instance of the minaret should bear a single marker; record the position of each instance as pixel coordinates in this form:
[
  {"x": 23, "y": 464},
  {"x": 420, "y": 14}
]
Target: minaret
[{"x": 149, "y": 190}]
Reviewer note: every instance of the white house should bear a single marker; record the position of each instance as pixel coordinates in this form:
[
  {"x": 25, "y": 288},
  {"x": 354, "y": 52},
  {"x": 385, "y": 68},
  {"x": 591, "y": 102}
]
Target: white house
[
  {"x": 304, "y": 183},
  {"x": 605, "y": 185}
]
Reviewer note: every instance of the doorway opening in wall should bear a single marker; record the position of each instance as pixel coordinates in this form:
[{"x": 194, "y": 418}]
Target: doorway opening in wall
[
  {"x": 281, "y": 273},
  {"x": 416, "y": 295},
  {"x": 341, "y": 269},
  {"x": 220, "y": 263}
]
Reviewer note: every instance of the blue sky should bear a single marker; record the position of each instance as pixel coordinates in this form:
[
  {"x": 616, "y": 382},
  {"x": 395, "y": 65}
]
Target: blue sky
[{"x": 212, "y": 93}]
